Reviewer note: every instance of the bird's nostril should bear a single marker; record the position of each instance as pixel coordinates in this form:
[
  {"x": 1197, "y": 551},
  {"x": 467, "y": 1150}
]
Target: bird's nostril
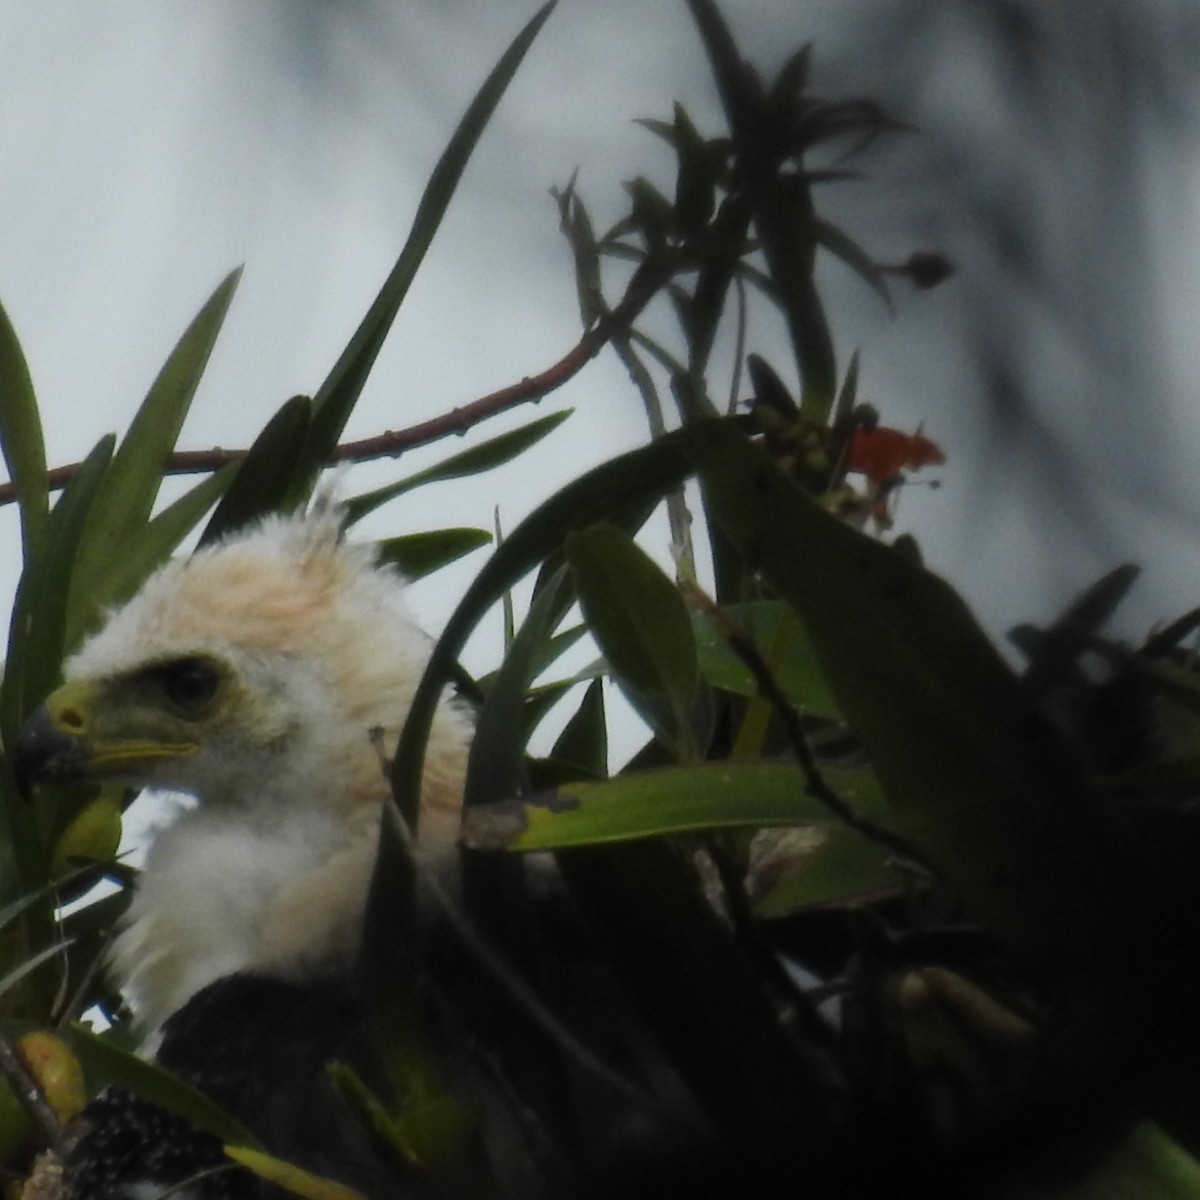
[{"x": 71, "y": 719}]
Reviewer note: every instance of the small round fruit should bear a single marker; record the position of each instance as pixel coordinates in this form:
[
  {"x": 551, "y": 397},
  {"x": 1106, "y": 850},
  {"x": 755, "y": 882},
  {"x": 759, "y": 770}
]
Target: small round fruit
[
  {"x": 93, "y": 834},
  {"x": 57, "y": 1071}
]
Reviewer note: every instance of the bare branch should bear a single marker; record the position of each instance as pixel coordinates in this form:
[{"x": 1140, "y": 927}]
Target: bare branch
[{"x": 392, "y": 443}]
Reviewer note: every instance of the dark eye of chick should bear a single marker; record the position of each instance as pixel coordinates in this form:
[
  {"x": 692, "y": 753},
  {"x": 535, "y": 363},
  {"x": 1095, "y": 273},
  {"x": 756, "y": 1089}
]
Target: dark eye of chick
[{"x": 190, "y": 683}]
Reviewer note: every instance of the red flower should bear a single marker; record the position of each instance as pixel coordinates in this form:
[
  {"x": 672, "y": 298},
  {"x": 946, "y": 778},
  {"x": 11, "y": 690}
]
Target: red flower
[{"x": 883, "y": 454}]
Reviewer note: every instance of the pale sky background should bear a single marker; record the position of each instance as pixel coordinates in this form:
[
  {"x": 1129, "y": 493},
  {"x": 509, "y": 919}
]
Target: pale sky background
[{"x": 148, "y": 147}]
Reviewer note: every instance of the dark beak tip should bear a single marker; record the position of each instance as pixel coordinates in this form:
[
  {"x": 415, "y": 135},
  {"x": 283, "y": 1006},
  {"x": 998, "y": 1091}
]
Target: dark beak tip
[{"x": 42, "y": 752}]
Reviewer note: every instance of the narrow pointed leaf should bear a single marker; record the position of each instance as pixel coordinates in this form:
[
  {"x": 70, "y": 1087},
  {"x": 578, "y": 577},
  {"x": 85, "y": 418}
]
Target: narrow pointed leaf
[
  {"x": 418, "y": 554},
  {"x": 342, "y": 387},
  {"x": 291, "y": 1178},
  {"x": 583, "y": 742},
  {"x": 492, "y": 453},
  {"x": 269, "y": 473},
  {"x": 497, "y": 748},
  {"x": 40, "y": 612},
  {"x": 104, "y": 1060},
  {"x": 21, "y": 434},
  {"x": 842, "y": 245},
  {"x": 126, "y": 498}
]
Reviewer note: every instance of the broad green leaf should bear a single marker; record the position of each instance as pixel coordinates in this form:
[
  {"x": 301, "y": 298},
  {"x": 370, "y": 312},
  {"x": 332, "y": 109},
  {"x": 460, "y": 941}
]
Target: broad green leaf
[
  {"x": 291, "y": 1178},
  {"x": 822, "y": 865},
  {"x": 118, "y": 1068},
  {"x": 418, "y": 554},
  {"x": 784, "y": 646},
  {"x": 484, "y": 457},
  {"x": 125, "y": 499},
  {"x": 338, "y": 394},
  {"x": 636, "y": 615},
  {"x": 629, "y": 483},
  {"x": 717, "y": 795},
  {"x": 268, "y": 474},
  {"x": 21, "y": 434},
  {"x": 940, "y": 715}
]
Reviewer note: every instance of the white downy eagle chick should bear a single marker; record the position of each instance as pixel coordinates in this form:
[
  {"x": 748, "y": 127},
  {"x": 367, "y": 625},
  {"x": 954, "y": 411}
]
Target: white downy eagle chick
[{"x": 251, "y": 675}]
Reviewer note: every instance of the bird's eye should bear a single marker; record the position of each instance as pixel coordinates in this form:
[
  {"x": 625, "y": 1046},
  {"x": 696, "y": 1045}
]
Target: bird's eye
[{"x": 190, "y": 684}]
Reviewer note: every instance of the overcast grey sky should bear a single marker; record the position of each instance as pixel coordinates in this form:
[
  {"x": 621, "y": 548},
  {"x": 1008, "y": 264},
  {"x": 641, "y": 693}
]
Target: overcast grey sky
[{"x": 147, "y": 148}]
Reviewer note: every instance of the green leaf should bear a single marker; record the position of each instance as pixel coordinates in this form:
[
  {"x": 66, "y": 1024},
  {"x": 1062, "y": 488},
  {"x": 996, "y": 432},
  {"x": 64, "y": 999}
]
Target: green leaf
[
  {"x": 637, "y": 617},
  {"x": 577, "y": 225},
  {"x": 40, "y": 612},
  {"x": 21, "y": 434},
  {"x": 842, "y": 245},
  {"x": 940, "y": 715},
  {"x": 484, "y": 457},
  {"x": 144, "y": 550},
  {"x": 105, "y": 1061},
  {"x": 823, "y": 865},
  {"x": 290, "y": 1177},
  {"x": 497, "y": 749},
  {"x": 731, "y": 794},
  {"x": 583, "y": 743},
  {"x": 418, "y": 554},
  {"x": 1146, "y": 1163},
  {"x": 390, "y": 967},
  {"x": 340, "y": 391},
  {"x": 784, "y": 645},
  {"x": 652, "y": 215},
  {"x": 126, "y": 497},
  {"x": 783, "y": 214},
  {"x": 695, "y": 182},
  {"x": 29, "y": 963},
  {"x": 626, "y": 484},
  {"x": 269, "y": 474},
  {"x": 848, "y": 396}
]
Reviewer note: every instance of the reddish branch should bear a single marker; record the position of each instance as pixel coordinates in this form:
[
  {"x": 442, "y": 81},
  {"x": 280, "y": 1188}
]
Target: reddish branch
[{"x": 458, "y": 420}]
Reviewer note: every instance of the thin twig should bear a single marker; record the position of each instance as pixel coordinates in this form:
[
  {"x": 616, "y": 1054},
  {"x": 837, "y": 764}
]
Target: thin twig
[
  {"x": 392, "y": 443},
  {"x": 818, "y": 787}
]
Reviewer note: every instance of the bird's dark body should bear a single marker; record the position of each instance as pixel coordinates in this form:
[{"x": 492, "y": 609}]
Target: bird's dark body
[{"x": 258, "y": 1047}]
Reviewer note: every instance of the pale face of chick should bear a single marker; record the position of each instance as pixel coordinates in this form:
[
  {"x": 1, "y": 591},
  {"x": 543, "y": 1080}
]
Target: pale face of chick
[
  {"x": 251, "y": 676},
  {"x": 229, "y": 727}
]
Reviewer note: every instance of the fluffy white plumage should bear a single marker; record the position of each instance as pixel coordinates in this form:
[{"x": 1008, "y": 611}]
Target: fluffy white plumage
[{"x": 315, "y": 648}]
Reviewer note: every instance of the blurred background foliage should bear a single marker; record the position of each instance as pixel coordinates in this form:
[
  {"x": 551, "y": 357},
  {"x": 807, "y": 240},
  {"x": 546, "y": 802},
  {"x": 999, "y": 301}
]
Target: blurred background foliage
[{"x": 874, "y": 893}]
